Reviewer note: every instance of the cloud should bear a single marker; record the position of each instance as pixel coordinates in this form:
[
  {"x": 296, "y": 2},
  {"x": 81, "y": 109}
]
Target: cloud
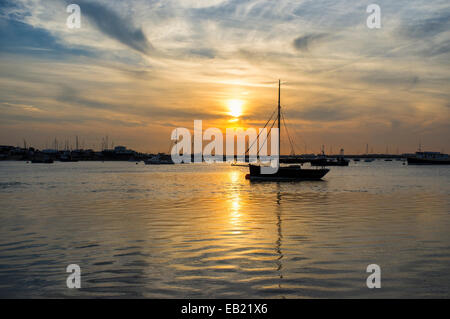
[
  {"x": 324, "y": 113},
  {"x": 111, "y": 24},
  {"x": 303, "y": 43},
  {"x": 23, "y": 107},
  {"x": 428, "y": 27},
  {"x": 439, "y": 49},
  {"x": 203, "y": 52},
  {"x": 21, "y": 38}
]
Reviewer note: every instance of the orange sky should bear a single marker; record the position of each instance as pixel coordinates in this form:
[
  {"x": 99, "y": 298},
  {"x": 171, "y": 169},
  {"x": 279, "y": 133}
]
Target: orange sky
[{"x": 136, "y": 70}]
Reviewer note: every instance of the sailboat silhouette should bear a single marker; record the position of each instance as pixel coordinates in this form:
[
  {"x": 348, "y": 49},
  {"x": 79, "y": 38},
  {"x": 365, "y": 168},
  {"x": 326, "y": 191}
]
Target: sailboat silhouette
[{"x": 285, "y": 173}]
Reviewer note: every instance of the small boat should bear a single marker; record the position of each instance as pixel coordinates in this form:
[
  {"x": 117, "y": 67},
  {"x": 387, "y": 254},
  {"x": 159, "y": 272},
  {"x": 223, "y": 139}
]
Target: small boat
[
  {"x": 160, "y": 159},
  {"x": 388, "y": 160},
  {"x": 285, "y": 173},
  {"x": 323, "y": 160},
  {"x": 329, "y": 162},
  {"x": 356, "y": 160},
  {"x": 429, "y": 158},
  {"x": 369, "y": 160}
]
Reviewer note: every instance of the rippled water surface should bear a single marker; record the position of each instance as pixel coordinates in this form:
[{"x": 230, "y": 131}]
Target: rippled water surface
[{"x": 203, "y": 231}]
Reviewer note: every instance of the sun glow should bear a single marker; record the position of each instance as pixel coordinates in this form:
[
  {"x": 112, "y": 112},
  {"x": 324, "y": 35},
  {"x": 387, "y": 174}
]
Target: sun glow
[{"x": 235, "y": 107}]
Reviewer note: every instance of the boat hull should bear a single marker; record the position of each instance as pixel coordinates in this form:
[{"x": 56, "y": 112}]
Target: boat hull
[
  {"x": 289, "y": 173},
  {"x": 426, "y": 161}
]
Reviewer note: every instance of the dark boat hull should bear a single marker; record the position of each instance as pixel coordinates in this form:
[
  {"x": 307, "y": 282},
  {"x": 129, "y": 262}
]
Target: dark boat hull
[
  {"x": 424, "y": 161},
  {"x": 289, "y": 173}
]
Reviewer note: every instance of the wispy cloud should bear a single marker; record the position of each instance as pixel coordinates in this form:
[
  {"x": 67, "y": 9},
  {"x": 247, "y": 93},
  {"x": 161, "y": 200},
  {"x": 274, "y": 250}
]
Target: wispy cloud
[
  {"x": 424, "y": 28},
  {"x": 113, "y": 25},
  {"x": 304, "y": 42}
]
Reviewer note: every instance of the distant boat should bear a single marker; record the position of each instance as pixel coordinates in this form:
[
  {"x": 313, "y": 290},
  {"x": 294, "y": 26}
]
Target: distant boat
[
  {"x": 369, "y": 160},
  {"x": 159, "y": 159},
  {"x": 285, "y": 173},
  {"x": 356, "y": 160},
  {"x": 388, "y": 159},
  {"x": 428, "y": 158},
  {"x": 324, "y": 161}
]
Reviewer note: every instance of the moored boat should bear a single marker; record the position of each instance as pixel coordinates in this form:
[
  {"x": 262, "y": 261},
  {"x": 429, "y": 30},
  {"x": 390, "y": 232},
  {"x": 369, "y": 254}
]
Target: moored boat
[
  {"x": 285, "y": 173},
  {"x": 428, "y": 158},
  {"x": 159, "y": 159},
  {"x": 329, "y": 162}
]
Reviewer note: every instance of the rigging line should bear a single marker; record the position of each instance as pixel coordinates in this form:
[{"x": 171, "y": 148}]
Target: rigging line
[
  {"x": 248, "y": 149},
  {"x": 287, "y": 132},
  {"x": 291, "y": 141},
  {"x": 295, "y": 132},
  {"x": 267, "y": 136}
]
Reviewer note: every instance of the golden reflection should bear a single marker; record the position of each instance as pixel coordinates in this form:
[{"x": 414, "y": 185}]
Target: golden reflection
[
  {"x": 235, "y": 202},
  {"x": 235, "y": 177},
  {"x": 235, "y": 214}
]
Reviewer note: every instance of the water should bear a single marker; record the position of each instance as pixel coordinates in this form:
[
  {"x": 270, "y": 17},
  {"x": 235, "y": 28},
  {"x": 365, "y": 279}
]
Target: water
[{"x": 203, "y": 231}]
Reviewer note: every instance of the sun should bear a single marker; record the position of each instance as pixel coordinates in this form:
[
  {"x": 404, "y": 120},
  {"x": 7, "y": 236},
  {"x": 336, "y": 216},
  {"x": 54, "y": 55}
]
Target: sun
[{"x": 235, "y": 107}]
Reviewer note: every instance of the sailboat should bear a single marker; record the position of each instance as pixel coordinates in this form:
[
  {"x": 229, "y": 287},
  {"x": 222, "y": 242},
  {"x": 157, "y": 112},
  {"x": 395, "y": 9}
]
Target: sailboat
[
  {"x": 161, "y": 158},
  {"x": 285, "y": 173}
]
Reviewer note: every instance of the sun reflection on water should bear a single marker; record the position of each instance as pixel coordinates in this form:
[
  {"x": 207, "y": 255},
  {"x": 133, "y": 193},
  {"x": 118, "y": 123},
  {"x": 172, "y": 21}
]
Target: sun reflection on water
[{"x": 235, "y": 203}]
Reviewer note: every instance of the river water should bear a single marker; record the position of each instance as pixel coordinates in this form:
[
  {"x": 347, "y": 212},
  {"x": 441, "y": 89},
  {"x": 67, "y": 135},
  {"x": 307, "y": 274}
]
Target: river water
[{"x": 204, "y": 231}]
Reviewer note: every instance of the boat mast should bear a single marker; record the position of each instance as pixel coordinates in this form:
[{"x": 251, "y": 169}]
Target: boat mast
[{"x": 279, "y": 112}]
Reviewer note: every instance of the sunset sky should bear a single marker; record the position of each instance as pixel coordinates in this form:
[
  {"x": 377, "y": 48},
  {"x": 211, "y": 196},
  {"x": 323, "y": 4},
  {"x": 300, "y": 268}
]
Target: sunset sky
[{"x": 135, "y": 70}]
